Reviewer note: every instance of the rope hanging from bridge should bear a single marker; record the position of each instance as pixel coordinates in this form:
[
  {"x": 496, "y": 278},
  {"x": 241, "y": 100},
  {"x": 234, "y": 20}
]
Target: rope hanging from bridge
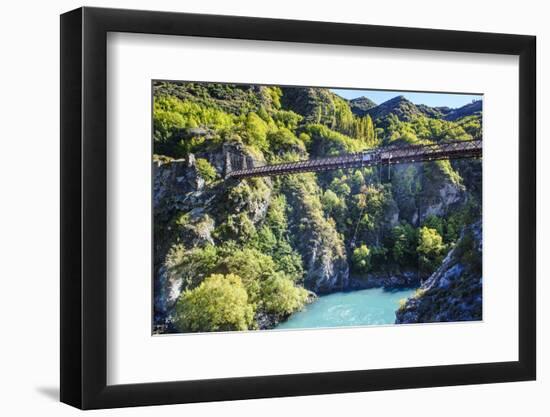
[{"x": 352, "y": 244}]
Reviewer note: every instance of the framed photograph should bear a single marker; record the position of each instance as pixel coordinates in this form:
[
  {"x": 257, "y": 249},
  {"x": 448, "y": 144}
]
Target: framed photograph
[{"x": 257, "y": 208}]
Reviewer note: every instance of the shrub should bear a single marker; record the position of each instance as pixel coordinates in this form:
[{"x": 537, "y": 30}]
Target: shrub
[
  {"x": 253, "y": 266},
  {"x": 361, "y": 259},
  {"x": 191, "y": 266},
  {"x": 332, "y": 203},
  {"x": 378, "y": 257},
  {"x": 280, "y": 295},
  {"x": 404, "y": 244},
  {"x": 276, "y": 216},
  {"x": 275, "y": 94},
  {"x": 283, "y": 140},
  {"x": 430, "y": 249},
  {"x": 468, "y": 254},
  {"x": 402, "y": 304},
  {"x": 206, "y": 170},
  {"x": 238, "y": 227},
  {"x": 287, "y": 118},
  {"x": 435, "y": 222},
  {"x": 330, "y": 142},
  {"x": 219, "y": 303},
  {"x": 256, "y": 131}
]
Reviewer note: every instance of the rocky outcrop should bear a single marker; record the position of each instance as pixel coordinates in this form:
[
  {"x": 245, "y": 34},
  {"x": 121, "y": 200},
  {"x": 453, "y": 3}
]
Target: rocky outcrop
[
  {"x": 178, "y": 194},
  {"x": 187, "y": 211},
  {"x": 173, "y": 178},
  {"x": 316, "y": 238},
  {"x": 425, "y": 190},
  {"x": 454, "y": 291},
  {"x": 327, "y": 267}
]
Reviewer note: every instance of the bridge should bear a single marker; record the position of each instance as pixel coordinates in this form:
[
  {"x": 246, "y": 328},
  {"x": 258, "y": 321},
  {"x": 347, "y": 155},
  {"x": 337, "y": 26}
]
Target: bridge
[{"x": 388, "y": 155}]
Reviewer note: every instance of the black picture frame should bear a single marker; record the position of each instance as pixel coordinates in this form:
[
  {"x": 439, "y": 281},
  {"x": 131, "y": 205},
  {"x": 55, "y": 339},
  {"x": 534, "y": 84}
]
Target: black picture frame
[{"x": 84, "y": 207}]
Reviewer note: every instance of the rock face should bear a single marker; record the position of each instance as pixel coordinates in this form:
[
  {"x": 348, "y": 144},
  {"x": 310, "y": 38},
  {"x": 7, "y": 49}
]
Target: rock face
[
  {"x": 421, "y": 191},
  {"x": 317, "y": 240},
  {"x": 177, "y": 188},
  {"x": 327, "y": 267},
  {"x": 175, "y": 178},
  {"x": 188, "y": 211},
  {"x": 454, "y": 291}
]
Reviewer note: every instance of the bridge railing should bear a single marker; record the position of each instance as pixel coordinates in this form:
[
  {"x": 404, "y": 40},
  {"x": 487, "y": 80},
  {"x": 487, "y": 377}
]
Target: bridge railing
[{"x": 384, "y": 155}]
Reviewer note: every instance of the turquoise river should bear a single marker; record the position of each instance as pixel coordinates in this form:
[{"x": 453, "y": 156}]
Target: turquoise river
[{"x": 369, "y": 307}]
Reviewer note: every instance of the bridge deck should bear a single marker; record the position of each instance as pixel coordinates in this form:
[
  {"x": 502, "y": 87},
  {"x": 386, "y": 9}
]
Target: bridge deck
[{"x": 386, "y": 155}]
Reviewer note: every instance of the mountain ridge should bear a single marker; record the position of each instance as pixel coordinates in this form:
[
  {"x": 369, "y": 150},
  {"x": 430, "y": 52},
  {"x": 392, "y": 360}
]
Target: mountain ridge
[{"x": 405, "y": 109}]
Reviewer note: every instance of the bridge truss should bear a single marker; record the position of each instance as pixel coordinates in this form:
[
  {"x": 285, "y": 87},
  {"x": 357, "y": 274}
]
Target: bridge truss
[{"x": 388, "y": 155}]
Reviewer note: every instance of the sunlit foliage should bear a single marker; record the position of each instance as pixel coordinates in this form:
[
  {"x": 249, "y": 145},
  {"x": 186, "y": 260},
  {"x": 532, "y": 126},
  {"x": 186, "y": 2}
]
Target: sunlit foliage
[
  {"x": 430, "y": 249},
  {"x": 219, "y": 303},
  {"x": 361, "y": 259}
]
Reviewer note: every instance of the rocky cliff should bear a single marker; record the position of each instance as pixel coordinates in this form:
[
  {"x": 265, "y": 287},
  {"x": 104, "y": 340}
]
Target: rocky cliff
[
  {"x": 315, "y": 237},
  {"x": 421, "y": 191},
  {"x": 191, "y": 212},
  {"x": 454, "y": 291}
]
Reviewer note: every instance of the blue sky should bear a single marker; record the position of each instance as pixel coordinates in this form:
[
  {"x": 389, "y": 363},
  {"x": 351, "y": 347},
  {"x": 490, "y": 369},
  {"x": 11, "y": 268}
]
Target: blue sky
[{"x": 430, "y": 99}]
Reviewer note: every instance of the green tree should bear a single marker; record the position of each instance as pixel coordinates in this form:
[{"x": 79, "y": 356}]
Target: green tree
[
  {"x": 276, "y": 215},
  {"x": 370, "y": 135},
  {"x": 430, "y": 249},
  {"x": 435, "y": 222},
  {"x": 363, "y": 129},
  {"x": 165, "y": 123},
  {"x": 280, "y": 296},
  {"x": 253, "y": 266},
  {"x": 329, "y": 142},
  {"x": 378, "y": 258},
  {"x": 256, "y": 131},
  {"x": 283, "y": 140},
  {"x": 219, "y": 303},
  {"x": 191, "y": 266},
  {"x": 404, "y": 242},
  {"x": 332, "y": 204},
  {"x": 287, "y": 119},
  {"x": 206, "y": 170},
  {"x": 361, "y": 259},
  {"x": 275, "y": 94}
]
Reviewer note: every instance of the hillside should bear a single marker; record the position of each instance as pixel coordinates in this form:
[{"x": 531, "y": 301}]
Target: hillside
[
  {"x": 360, "y": 105},
  {"x": 471, "y": 109},
  {"x": 406, "y": 111}
]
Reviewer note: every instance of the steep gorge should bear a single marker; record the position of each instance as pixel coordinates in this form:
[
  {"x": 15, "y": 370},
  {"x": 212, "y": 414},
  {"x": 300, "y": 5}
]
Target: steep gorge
[{"x": 322, "y": 232}]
